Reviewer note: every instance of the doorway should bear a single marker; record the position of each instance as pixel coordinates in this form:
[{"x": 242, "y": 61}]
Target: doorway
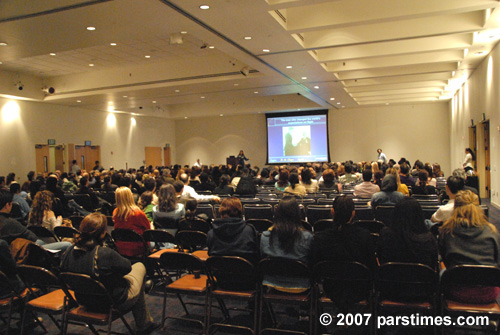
[
  {"x": 49, "y": 158},
  {"x": 483, "y": 159},
  {"x": 153, "y": 156},
  {"x": 85, "y": 155},
  {"x": 487, "y": 170},
  {"x": 473, "y": 142}
]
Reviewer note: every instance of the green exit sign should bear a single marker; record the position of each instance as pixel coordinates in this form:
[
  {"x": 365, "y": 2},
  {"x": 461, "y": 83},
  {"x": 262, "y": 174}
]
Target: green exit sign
[{"x": 52, "y": 141}]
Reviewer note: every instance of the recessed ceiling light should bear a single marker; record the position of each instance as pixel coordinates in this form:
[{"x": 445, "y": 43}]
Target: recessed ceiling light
[
  {"x": 78, "y": 100},
  {"x": 298, "y": 109},
  {"x": 185, "y": 117},
  {"x": 211, "y": 47},
  {"x": 154, "y": 101},
  {"x": 52, "y": 54},
  {"x": 112, "y": 44},
  {"x": 265, "y": 50},
  {"x": 184, "y": 32},
  {"x": 338, "y": 103},
  {"x": 125, "y": 96},
  {"x": 1, "y": 63},
  {"x": 91, "y": 28},
  {"x": 387, "y": 103},
  {"x": 204, "y": 7},
  {"x": 91, "y": 64},
  {"x": 316, "y": 87},
  {"x": 256, "y": 92},
  {"x": 221, "y": 114},
  {"x": 147, "y": 56},
  {"x": 176, "y": 91},
  {"x": 289, "y": 66},
  {"x": 479, "y": 53},
  {"x": 248, "y": 37},
  {"x": 236, "y": 84},
  {"x": 202, "y": 97},
  {"x": 332, "y": 99},
  {"x": 304, "y": 78},
  {"x": 3, "y": 44}
]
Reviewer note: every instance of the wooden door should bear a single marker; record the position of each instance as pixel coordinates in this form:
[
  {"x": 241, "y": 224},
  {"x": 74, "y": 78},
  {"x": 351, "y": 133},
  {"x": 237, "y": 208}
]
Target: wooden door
[
  {"x": 42, "y": 158},
  {"x": 487, "y": 182},
  {"x": 59, "y": 157},
  {"x": 153, "y": 156},
  {"x": 80, "y": 156},
  {"x": 166, "y": 156},
  {"x": 473, "y": 143}
]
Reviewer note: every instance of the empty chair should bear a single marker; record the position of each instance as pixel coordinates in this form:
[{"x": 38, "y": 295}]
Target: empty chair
[
  {"x": 384, "y": 213},
  {"x": 318, "y": 212},
  {"x": 364, "y": 213},
  {"x": 84, "y": 201},
  {"x": 325, "y": 201},
  {"x": 249, "y": 200},
  {"x": 12, "y": 300},
  {"x": 261, "y": 225},
  {"x": 322, "y": 224},
  {"x": 76, "y": 220},
  {"x": 65, "y": 232},
  {"x": 44, "y": 234},
  {"x": 258, "y": 211},
  {"x": 194, "y": 224},
  {"x": 191, "y": 240},
  {"x": 206, "y": 209},
  {"x": 157, "y": 238}
]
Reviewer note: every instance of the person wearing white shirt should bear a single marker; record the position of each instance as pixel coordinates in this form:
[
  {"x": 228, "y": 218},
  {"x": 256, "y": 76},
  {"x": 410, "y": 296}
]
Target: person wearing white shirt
[
  {"x": 198, "y": 163},
  {"x": 381, "y": 156},
  {"x": 189, "y": 192}
]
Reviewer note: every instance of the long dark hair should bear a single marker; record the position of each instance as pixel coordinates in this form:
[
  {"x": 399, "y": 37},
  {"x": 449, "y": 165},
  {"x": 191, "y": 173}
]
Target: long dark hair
[
  {"x": 167, "y": 200},
  {"x": 91, "y": 230},
  {"x": 469, "y": 150},
  {"x": 287, "y": 226},
  {"x": 343, "y": 206},
  {"x": 294, "y": 179}
]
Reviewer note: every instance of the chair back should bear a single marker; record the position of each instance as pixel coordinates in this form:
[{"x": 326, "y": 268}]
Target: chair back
[
  {"x": 180, "y": 261},
  {"x": 406, "y": 282},
  {"x": 245, "y": 201},
  {"x": 429, "y": 210},
  {"x": 84, "y": 201},
  {"x": 38, "y": 276},
  {"x": 471, "y": 276},
  {"x": 88, "y": 292},
  {"x": 384, "y": 213},
  {"x": 39, "y": 256},
  {"x": 206, "y": 209},
  {"x": 258, "y": 211},
  {"x": 325, "y": 201},
  {"x": 43, "y": 233},
  {"x": 363, "y": 213},
  {"x": 126, "y": 235},
  {"x": 195, "y": 224},
  {"x": 65, "y": 232},
  {"x": 283, "y": 267},
  {"x": 231, "y": 273},
  {"x": 373, "y": 226},
  {"x": 191, "y": 240},
  {"x": 166, "y": 223},
  {"x": 261, "y": 225},
  {"x": 318, "y": 212},
  {"x": 344, "y": 283},
  {"x": 16, "y": 212},
  {"x": 76, "y": 221},
  {"x": 322, "y": 224},
  {"x": 158, "y": 236}
]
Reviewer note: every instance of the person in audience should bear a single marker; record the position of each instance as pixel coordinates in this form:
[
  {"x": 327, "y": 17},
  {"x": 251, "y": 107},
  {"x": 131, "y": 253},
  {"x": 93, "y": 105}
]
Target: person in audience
[
  {"x": 408, "y": 239},
  {"x": 404, "y": 175},
  {"x": 436, "y": 171},
  {"x": 10, "y": 229},
  {"x": 310, "y": 184},
  {"x": 417, "y": 166},
  {"x": 206, "y": 183},
  {"x": 41, "y": 213},
  {"x": 422, "y": 185},
  {"x": 168, "y": 207},
  {"x": 388, "y": 194},
  {"x": 468, "y": 238},
  {"x": 401, "y": 187},
  {"x": 85, "y": 189},
  {"x": 191, "y": 206},
  {"x": 468, "y": 163},
  {"x": 453, "y": 185},
  {"x": 146, "y": 204},
  {"x": 432, "y": 181},
  {"x": 287, "y": 239},
  {"x": 328, "y": 183},
  {"x": 150, "y": 185},
  {"x": 366, "y": 189},
  {"x": 377, "y": 178},
  {"x": 224, "y": 187},
  {"x": 68, "y": 184},
  {"x": 128, "y": 216},
  {"x": 295, "y": 187},
  {"x": 246, "y": 185},
  {"x": 15, "y": 189},
  {"x": 75, "y": 167},
  {"x": 52, "y": 185},
  {"x": 344, "y": 241},
  {"x": 125, "y": 282},
  {"x": 460, "y": 173},
  {"x": 266, "y": 178},
  {"x": 230, "y": 235},
  {"x": 348, "y": 177},
  {"x": 283, "y": 181},
  {"x": 189, "y": 192}
]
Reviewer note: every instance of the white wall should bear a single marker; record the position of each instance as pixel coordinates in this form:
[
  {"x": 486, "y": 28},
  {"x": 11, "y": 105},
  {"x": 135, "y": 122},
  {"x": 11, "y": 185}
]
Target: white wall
[
  {"x": 479, "y": 95},
  {"x": 37, "y": 122},
  {"x": 418, "y": 131}
]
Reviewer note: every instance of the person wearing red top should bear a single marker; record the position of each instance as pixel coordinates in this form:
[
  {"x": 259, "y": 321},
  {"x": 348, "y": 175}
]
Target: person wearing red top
[{"x": 128, "y": 216}]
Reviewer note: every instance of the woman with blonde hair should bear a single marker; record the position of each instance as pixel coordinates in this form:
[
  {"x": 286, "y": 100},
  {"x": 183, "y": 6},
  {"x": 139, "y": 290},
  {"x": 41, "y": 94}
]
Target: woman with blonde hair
[
  {"x": 401, "y": 187},
  {"x": 468, "y": 238},
  {"x": 128, "y": 215}
]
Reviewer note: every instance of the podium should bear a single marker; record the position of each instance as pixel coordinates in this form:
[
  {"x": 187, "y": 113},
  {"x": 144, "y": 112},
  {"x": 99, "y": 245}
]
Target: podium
[{"x": 232, "y": 160}]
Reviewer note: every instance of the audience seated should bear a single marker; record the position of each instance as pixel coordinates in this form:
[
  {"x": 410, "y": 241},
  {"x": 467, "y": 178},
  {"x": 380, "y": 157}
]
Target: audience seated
[
  {"x": 468, "y": 238},
  {"x": 348, "y": 177},
  {"x": 224, "y": 187},
  {"x": 388, "y": 194},
  {"x": 282, "y": 182},
  {"x": 327, "y": 182},
  {"x": 41, "y": 213},
  {"x": 402, "y": 188},
  {"x": 85, "y": 189},
  {"x": 123, "y": 280},
  {"x": 168, "y": 207},
  {"x": 310, "y": 184},
  {"x": 422, "y": 186},
  {"x": 344, "y": 241},
  {"x": 407, "y": 239},
  {"x": 230, "y": 235},
  {"x": 366, "y": 189},
  {"x": 146, "y": 204},
  {"x": 246, "y": 185},
  {"x": 287, "y": 239},
  {"x": 404, "y": 175},
  {"x": 453, "y": 185},
  {"x": 15, "y": 189},
  {"x": 189, "y": 192},
  {"x": 8, "y": 267},
  {"x": 128, "y": 216},
  {"x": 295, "y": 188}
]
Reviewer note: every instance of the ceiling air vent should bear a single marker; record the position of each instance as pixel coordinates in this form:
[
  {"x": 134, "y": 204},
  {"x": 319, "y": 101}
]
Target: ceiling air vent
[{"x": 280, "y": 15}]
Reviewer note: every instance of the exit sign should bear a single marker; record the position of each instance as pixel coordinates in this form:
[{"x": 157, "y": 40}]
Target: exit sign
[{"x": 51, "y": 141}]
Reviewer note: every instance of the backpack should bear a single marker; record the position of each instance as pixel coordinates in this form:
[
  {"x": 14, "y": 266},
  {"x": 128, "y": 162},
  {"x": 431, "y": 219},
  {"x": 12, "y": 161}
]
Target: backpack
[{"x": 19, "y": 248}]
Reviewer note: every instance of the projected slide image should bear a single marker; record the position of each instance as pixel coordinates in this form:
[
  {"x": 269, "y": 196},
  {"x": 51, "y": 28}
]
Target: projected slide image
[{"x": 297, "y": 141}]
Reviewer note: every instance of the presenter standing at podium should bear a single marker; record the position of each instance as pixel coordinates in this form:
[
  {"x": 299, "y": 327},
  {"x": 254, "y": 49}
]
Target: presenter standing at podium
[{"x": 241, "y": 158}]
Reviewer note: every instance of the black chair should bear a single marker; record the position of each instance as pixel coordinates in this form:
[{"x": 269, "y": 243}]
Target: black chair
[
  {"x": 84, "y": 201},
  {"x": 156, "y": 238},
  {"x": 245, "y": 201},
  {"x": 261, "y": 225},
  {"x": 406, "y": 287},
  {"x": 373, "y": 226},
  {"x": 191, "y": 240},
  {"x": 361, "y": 201},
  {"x": 47, "y": 291},
  {"x": 233, "y": 278},
  {"x": 16, "y": 213},
  {"x": 194, "y": 224},
  {"x": 128, "y": 235},
  {"x": 103, "y": 310},
  {"x": 363, "y": 213},
  {"x": 44, "y": 234},
  {"x": 306, "y": 201},
  {"x": 76, "y": 220},
  {"x": 429, "y": 210},
  {"x": 325, "y": 201},
  {"x": 322, "y": 224},
  {"x": 39, "y": 256},
  {"x": 318, "y": 212},
  {"x": 258, "y": 211},
  {"x": 345, "y": 285},
  {"x": 191, "y": 283},
  {"x": 384, "y": 213},
  {"x": 166, "y": 223},
  {"x": 206, "y": 209},
  {"x": 268, "y": 296},
  {"x": 12, "y": 302},
  {"x": 65, "y": 232},
  {"x": 474, "y": 276}
]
